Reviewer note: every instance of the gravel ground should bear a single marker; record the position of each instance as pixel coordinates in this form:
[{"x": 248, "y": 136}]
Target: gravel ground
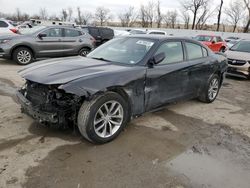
[{"x": 189, "y": 144}]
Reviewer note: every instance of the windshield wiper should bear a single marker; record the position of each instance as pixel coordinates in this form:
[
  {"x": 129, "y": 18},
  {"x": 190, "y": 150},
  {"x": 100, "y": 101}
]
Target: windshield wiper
[{"x": 101, "y": 58}]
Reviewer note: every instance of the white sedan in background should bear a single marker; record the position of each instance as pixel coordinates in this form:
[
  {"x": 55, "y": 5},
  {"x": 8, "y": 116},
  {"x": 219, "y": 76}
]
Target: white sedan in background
[
  {"x": 156, "y": 32},
  {"x": 6, "y": 28}
]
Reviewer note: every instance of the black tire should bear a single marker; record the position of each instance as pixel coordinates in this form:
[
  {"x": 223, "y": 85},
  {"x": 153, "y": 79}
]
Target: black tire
[
  {"x": 204, "y": 96},
  {"x": 87, "y": 114},
  {"x": 223, "y": 49},
  {"x": 27, "y": 58},
  {"x": 84, "y": 51}
]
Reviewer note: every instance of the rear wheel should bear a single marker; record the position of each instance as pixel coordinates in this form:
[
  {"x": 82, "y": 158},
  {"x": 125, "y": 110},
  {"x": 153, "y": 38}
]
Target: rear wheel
[
  {"x": 211, "y": 90},
  {"x": 103, "y": 118},
  {"x": 23, "y": 56},
  {"x": 84, "y": 51}
]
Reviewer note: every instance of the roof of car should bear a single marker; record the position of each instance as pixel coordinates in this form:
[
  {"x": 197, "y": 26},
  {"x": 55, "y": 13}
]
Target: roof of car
[
  {"x": 158, "y": 37},
  {"x": 209, "y": 35}
]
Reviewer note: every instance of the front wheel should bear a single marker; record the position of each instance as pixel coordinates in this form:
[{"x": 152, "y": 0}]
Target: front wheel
[
  {"x": 84, "y": 51},
  {"x": 211, "y": 90},
  {"x": 103, "y": 118},
  {"x": 23, "y": 56}
]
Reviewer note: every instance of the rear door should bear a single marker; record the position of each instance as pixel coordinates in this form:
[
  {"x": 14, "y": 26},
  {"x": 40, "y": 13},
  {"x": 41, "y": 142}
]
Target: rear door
[
  {"x": 71, "y": 41},
  {"x": 167, "y": 81},
  {"x": 51, "y": 44},
  {"x": 200, "y": 66}
]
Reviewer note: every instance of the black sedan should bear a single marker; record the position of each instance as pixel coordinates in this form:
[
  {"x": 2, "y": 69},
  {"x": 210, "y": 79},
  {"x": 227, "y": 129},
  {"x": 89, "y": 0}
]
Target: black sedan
[{"x": 121, "y": 79}]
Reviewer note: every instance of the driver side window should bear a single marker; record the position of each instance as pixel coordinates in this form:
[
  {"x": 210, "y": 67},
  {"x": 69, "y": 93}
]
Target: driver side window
[
  {"x": 53, "y": 32},
  {"x": 173, "y": 52}
]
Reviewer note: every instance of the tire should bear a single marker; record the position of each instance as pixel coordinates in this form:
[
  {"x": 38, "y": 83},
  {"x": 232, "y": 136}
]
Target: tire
[
  {"x": 23, "y": 56},
  {"x": 222, "y": 49},
  {"x": 84, "y": 51},
  {"x": 90, "y": 114},
  {"x": 211, "y": 87}
]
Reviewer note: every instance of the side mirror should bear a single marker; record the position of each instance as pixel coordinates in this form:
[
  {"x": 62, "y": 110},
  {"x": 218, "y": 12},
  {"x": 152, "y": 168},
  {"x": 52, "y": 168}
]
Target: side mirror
[
  {"x": 213, "y": 42},
  {"x": 156, "y": 59},
  {"x": 41, "y": 35}
]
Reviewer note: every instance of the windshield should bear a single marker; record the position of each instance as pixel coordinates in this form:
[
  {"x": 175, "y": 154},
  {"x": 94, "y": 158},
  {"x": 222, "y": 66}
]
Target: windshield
[
  {"x": 242, "y": 46},
  {"x": 203, "y": 38},
  {"x": 27, "y": 31},
  {"x": 123, "y": 50}
]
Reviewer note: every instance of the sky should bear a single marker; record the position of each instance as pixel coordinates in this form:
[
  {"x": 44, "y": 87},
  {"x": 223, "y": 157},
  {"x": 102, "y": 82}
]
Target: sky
[{"x": 55, "y": 6}]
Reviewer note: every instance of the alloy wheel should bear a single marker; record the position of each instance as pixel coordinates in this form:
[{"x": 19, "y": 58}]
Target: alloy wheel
[
  {"x": 24, "y": 56},
  {"x": 108, "y": 119},
  {"x": 213, "y": 89}
]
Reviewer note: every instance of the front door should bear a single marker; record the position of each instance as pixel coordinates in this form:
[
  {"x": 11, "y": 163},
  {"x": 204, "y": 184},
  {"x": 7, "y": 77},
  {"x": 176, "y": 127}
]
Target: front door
[
  {"x": 168, "y": 80},
  {"x": 50, "y": 45}
]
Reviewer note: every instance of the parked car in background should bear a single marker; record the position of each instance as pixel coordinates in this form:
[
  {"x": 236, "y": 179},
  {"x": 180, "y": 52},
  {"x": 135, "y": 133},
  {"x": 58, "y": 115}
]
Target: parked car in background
[
  {"x": 121, "y": 79},
  {"x": 228, "y": 39},
  {"x": 156, "y": 32},
  {"x": 215, "y": 43},
  {"x": 239, "y": 59},
  {"x": 137, "y": 31},
  {"x": 101, "y": 34},
  {"x": 6, "y": 28},
  {"x": 42, "y": 41},
  {"x": 119, "y": 33}
]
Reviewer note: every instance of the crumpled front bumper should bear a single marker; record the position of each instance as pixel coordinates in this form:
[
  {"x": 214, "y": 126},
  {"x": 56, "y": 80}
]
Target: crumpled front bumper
[{"x": 35, "y": 113}]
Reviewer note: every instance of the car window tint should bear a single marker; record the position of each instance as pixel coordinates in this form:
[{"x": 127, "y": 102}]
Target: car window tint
[
  {"x": 205, "y": 53},
  {"x": 173, "y": 52},
  {"x": 94, "y": 32},
  {"x": 71, "y": 33},
  {"x": 106, "y": 31},
  {"x": 194, "y": 51},
  {"x": 157, "y": 33},
  {"x": 53, "y": 32},
  {"x": 3, "y": 24}
]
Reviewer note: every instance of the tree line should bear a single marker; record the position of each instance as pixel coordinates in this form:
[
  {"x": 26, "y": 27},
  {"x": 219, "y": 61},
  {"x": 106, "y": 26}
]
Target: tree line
[{"x": 191, "y": 14}]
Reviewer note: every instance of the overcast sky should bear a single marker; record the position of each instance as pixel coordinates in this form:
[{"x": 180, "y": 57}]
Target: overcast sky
[{"x": 55, "y": 6}]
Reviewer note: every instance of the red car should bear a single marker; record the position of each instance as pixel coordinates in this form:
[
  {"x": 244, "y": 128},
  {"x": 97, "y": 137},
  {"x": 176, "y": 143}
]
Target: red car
[{"x": 215, "y": 43}]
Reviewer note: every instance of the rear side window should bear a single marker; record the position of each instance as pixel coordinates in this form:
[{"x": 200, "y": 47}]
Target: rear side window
[
  {"x": 72, "y": 33},
  {"x": 94, "y": 32},
  {"x": 106, "y": 31},
  {"x": 3, "y": 24},
  {"x": 53, "y": 32},
  {"x": 194, "y": 51},
  {"x": 173, "y": 52}
]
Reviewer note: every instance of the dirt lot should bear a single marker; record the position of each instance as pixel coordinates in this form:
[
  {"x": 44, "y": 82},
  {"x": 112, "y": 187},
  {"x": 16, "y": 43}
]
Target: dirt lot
[{"x": 189, "y": 144}]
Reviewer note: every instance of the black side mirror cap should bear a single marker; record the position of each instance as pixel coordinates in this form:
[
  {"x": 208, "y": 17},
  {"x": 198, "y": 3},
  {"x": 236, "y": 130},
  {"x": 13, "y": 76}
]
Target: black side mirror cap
[
  {"x": 156, "y": 59},
  {"x": 41, "y": 35},
  {"x": 213, "y": 42}
]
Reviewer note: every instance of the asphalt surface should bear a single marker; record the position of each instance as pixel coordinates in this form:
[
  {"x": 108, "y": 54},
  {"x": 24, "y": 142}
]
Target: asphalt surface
[{"x": 189, "y": 144}]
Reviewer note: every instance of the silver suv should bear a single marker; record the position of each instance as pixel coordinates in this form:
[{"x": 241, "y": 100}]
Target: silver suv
[{"x": 41, "y": 41}]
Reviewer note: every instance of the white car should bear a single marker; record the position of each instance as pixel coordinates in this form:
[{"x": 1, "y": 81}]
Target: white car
[
  {"x": 6, "y": 28},
  {"x": 156, "y": 32},
  {"x": 119, "y": 33}
]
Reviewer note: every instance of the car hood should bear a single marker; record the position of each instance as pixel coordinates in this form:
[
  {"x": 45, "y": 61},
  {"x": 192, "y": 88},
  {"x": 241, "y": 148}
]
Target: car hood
[
  {"x": 238, "y": 55},
  {"x": 64, "y": 70}
]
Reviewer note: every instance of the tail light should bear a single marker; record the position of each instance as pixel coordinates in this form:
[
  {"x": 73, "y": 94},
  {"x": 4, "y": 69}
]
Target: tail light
[{"x": 14, "y": 30}]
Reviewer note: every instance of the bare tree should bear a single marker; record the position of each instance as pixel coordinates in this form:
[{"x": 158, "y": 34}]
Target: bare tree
[
  {"x": 143, "y": 16},
  {"x": 128, "y": 17},
  {"x": 70, "y": 12},
  {"x": 86, "y": 17},
  {"x": 186, "y": 18},
  {"x": 247, "y": 5},
  {"x": 204, "y": 16},
  {"x": 194, "y": 6},
  {"x": 219, "y": 15},
  {"x": 158, "y": 13},
  {"x": 170, "y": 18},
  {"x": 18, "y": 14},
  {"x": 64, "y": 15},
  {"x": 234, "y": 13},
  {"x": 43, "y": 14},
  {"x": 102, "y": 15},
  {"x": 79, "y": 15},
  {"x": 150, "y": 12}
]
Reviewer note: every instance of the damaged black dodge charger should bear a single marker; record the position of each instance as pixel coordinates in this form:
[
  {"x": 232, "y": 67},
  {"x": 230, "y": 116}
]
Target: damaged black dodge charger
[{"x": 121, "y": 79}]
